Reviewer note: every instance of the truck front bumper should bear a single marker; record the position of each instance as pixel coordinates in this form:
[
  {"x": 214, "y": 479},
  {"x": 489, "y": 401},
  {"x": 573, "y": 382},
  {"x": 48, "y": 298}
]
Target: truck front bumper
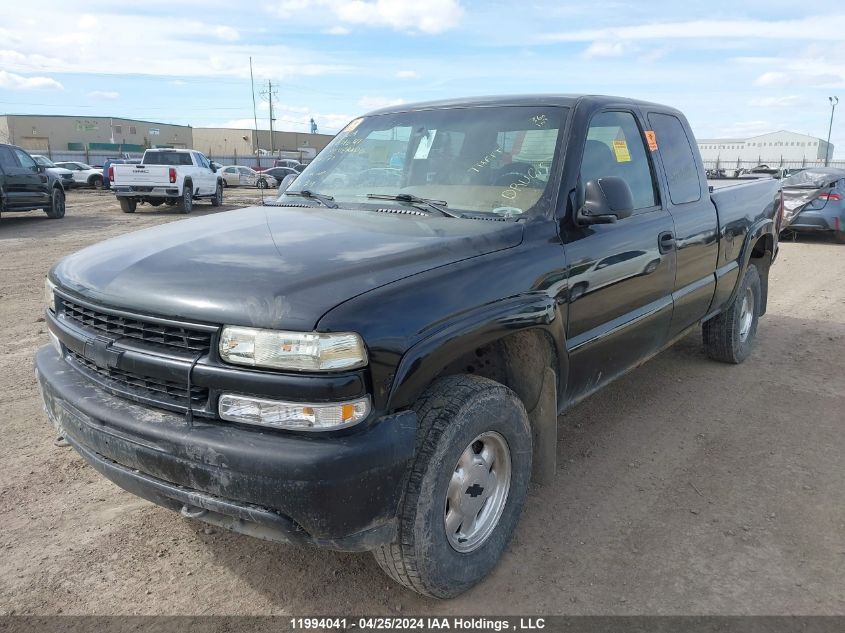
[{"x": 339, "y": 492}]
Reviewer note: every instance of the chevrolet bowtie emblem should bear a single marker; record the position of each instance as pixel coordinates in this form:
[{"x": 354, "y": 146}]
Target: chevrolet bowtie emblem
[{"x": 100, "y": 352}]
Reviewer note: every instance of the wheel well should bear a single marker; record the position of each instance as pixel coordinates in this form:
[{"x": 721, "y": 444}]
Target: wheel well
[{"x": 517, "y": 361}]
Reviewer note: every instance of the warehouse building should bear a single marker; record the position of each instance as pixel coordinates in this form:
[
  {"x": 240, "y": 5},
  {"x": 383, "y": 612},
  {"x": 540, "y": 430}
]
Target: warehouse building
[
  {"x": 219, "y": 141},
  {"x": 59, "y": 133},
  {"x": 772, "y": 148}
]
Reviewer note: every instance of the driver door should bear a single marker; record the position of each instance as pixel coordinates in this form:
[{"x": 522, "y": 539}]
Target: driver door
[
  {"x": 620, "y": 275},
  {"x": 28, "y": 185}
]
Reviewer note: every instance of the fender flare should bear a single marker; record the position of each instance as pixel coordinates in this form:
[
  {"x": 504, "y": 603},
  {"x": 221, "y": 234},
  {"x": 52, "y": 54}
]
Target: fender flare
[
  {"x": 755, "y": 232},
  {"x": 425, "y": 360}
]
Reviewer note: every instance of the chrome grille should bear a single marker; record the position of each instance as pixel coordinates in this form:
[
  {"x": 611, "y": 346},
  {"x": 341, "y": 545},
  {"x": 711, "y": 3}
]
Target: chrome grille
[
  {"x": 114, "y": 326},
  {"x": 145, "y": 387}
]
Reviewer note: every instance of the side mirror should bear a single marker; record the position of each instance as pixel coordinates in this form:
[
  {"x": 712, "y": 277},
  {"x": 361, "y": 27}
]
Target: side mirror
[
  {"x": 287, "y": 181},
  {"x": 606, "y": 200},
  {"x": 214, "y": 168}
]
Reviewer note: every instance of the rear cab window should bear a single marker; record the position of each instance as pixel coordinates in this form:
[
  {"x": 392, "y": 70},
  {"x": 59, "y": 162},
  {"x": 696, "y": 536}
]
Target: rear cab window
[
  {"x": 167, "y": 158},
  {"x": 675, "y": 149}
]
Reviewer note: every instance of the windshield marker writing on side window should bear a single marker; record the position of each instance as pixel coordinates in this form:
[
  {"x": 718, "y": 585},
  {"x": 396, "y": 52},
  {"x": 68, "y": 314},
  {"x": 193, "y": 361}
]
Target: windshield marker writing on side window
[
  {"x": 651, "y": 139},
  {"x": 620, "y": 150}
]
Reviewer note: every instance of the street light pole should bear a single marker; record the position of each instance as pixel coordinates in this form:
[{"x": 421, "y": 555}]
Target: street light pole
[{"x": 833, "y": 103}]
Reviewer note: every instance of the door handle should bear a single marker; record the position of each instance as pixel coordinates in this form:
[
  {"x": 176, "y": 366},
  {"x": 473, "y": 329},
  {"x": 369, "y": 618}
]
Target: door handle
[{"x": 665, "y": 242}]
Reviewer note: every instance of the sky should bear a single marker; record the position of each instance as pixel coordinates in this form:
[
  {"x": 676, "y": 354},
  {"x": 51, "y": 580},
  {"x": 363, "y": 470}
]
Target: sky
[{"x": 735, "y": 68}]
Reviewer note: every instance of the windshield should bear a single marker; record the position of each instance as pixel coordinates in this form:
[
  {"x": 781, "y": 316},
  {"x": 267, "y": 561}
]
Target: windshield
[
  {"x": 44, "y": 162},
  {"x": 488, "y": 159},
  {"x": 167, "y": 158}
]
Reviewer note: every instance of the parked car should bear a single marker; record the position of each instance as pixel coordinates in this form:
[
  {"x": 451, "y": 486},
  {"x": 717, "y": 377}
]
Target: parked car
[
  {"x": 279, "y": 173},
  {"x": 171, "y": 176},
  {"x": 62, "y": 175},
  {"x": 381, "y": 367},
  {"x": 116, "y": 161},
  {"x": 815, "y": 202},
  {"x": 292, "y": 163},
  {"x": 241, "y": 176},
  {"x": 26, "y": 185},
  {"x": 84, "y": 175}
]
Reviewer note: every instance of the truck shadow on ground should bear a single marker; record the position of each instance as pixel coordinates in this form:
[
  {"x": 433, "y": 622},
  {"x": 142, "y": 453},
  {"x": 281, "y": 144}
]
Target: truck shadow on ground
[{"x": 631, "y": 515}]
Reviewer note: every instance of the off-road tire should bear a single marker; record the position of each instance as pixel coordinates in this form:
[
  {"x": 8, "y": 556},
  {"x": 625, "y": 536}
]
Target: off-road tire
[
  {"x": 128, "y": 205},
  {"x": 186, "y": 202},
  {"x": 450, "y": 413},
  {"x": 722, "y": 335},
  {"x": 56, "y": 209},
  {"x": 217, "y": 198}
]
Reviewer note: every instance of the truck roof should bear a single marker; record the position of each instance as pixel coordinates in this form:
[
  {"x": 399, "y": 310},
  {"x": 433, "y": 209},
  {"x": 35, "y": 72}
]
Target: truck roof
[{"x": 514, "y": 100}]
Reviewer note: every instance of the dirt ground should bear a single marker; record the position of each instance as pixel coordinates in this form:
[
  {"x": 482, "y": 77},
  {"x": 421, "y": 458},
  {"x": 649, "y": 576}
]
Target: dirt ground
[{"x": 687, "y": 487}]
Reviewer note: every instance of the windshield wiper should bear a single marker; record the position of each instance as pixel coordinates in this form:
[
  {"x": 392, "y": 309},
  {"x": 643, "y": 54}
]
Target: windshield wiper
[
  {"x": 326, "y": 201},
  {"x": 437, "y": 205}
]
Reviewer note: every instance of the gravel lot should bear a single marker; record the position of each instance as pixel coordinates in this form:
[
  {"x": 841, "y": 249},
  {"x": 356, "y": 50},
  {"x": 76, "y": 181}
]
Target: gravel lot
[{"x": 687, "y": 487}]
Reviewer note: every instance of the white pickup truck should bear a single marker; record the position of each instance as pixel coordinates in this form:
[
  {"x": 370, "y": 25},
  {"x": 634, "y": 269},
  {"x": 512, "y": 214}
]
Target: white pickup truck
[{"x": 172, "y": 176}]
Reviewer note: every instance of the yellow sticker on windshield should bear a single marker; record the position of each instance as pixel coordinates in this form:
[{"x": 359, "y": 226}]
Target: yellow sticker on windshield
[{"x": 620, "y": 150}]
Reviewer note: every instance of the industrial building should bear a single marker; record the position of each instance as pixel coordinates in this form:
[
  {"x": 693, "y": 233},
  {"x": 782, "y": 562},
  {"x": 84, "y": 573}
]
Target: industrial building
[
  {"x": 220, "y": 141},
  {"x": 772, "y": 148},
  {"x": 57, "y": 135},
  {"x": 47, "y": 133}
]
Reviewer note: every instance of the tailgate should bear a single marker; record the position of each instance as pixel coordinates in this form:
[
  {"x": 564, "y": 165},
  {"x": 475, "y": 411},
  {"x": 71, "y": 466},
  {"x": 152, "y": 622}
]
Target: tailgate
[{"x": 141, "y": 175}]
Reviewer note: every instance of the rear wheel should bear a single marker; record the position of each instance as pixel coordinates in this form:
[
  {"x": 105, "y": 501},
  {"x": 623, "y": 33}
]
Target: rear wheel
[
  {"x": 128, "y": 205},
  {"x": 217, "y": 200},
  {"x": 466, "y": 488},
  {"x": 730, "y": 336},
  {"x": 186, "y": 202},
  {"x": 96, "y": 182},
  {"x": 56, "y": 209}
]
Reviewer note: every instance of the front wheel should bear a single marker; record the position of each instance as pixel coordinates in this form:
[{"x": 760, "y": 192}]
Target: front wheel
[
  {"x": 96, "y": 182},
  {"x": 217, "y": 200},
  {"x": 56, "y": 209},
  {"x": 128, "y": 205},
  {"x": 730, "y": 336},
  {"x": 466, "y": 488}
]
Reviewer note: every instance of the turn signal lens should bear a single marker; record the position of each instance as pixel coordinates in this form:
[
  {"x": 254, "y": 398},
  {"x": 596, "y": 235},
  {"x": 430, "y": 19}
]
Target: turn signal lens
[{"x": 294, "y": 416}]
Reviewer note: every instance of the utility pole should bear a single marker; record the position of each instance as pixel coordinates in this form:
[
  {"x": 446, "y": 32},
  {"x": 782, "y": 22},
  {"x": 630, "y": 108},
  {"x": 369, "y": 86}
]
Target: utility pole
[
  {"x": 833, "y": 103},
  {"x": 268, "y": 95}
]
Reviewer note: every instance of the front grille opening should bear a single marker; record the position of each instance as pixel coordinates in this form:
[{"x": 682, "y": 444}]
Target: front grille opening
[
  {"x": 146, "y": 387},
  {"x": 171, "y": 337}
]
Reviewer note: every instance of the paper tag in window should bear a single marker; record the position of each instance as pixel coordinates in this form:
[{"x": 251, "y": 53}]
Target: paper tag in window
[
  {"x": 425, "y": 145},
  {"x": 651, "y": 139},
  {"x": 620, "y": 150}
]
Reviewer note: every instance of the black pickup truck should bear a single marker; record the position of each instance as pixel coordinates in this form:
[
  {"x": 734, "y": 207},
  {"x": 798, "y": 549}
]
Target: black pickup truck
[
  {"x": 377, "y": 360},
  {"x": 27, "y": 186}
]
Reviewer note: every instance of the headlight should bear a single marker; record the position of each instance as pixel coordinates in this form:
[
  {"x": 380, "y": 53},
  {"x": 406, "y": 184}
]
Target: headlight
[
  {"x": 293, "y": 415},
  {"x": 49, "y": 294},
  {"x": 301, "y": 351}
]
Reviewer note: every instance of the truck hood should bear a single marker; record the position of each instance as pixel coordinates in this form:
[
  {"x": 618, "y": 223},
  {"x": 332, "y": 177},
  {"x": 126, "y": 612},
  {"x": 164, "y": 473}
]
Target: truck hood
[{"x": 272, "y": 267}]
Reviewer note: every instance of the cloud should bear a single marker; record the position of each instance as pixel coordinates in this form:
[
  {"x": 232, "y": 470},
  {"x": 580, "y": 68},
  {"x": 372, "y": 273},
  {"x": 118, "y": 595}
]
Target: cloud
[
  {"x": 407, "y": 74},
  {"x": 799, "y": 78},
  {"x": 12, "y": 81},
  {"x": 825, "y": 27},
  {"x": 227, "y": 33},
  {"x": 337, "y": 30},
  {"x": 109, "y": 95},
  {"x": 433, "y": 16},
  {"x": 603, "y": 48},
  {"x": 375, "y": 103},
  {"x": 789, "y": 101}
]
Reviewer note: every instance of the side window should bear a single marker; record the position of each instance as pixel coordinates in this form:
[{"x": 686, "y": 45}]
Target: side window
[
  {"x": 7, "y": 159},
  {"x": 678, "y": 159},
  {"x": 615, "y": 147},
  {"x": 26, "y": 161}
]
